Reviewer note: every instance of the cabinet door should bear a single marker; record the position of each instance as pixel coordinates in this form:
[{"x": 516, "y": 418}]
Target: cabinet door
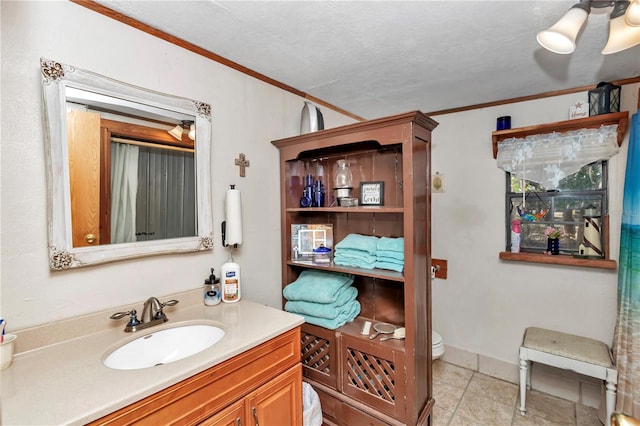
[
  {"x": 278, "y": 402},
  {"x": 230, "y": 416}
]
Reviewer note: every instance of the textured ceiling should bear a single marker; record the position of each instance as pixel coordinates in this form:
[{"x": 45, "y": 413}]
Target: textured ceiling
[{"x": 377, "y": 58}]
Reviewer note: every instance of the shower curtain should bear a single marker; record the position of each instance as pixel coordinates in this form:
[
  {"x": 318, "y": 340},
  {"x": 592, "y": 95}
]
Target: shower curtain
[
  {"x": 124, "y": 189},
  {"x": 626, "y": 346}
]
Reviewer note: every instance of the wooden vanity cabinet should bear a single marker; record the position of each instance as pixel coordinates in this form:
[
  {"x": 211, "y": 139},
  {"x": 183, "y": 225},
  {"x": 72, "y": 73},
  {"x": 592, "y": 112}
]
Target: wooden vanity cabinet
[
  {"x": 362, "y": 381},
  {"x": 261, "y": 386},
  {"x": 274, "y": 403}
]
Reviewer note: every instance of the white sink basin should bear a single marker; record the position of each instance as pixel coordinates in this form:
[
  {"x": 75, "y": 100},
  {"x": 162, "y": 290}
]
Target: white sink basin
[{"x": 164, "y": 346}]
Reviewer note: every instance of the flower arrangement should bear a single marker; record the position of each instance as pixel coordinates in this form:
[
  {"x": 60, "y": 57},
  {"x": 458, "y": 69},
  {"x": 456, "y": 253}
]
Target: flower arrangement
[{"x": 554, "y": 233}]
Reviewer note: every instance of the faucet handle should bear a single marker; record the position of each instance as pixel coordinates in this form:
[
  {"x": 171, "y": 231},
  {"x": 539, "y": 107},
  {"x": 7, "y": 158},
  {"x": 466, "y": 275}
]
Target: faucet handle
[
  {"x": 133, "y": 319},
  {"x": 171, "y": 302},
  {"x": 160, "y": 314}
]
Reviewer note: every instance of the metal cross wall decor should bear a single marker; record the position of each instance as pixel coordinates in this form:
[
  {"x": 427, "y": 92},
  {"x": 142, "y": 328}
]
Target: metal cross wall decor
[{"x": 243, "y": 163}]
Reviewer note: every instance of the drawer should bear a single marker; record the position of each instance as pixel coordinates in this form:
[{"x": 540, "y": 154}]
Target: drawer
[
  {"x": 353, "y": 416},
  {"x": 331, "y": 407}
]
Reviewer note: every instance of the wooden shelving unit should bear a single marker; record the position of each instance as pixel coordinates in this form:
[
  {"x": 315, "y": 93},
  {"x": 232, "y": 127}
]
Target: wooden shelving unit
[{"x": 363, "y": 381}]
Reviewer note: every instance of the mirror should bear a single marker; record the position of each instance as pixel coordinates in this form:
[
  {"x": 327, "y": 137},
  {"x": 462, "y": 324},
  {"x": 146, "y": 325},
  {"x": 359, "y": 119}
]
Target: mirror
[{"x": 128, "y": 169}]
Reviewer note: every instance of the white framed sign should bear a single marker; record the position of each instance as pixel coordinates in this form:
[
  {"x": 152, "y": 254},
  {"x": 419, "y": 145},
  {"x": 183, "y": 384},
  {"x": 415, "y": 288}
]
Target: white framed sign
[{"x": 372, "y": 193}]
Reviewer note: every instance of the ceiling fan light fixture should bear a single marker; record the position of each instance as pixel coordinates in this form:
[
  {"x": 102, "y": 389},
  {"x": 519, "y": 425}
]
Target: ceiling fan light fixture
[
  {"x": 621, "y": 35},
  {"x": 192, "y": 132},
  {"x": 176, "y": 132},
  {"x": 632, "y": 16},
  {"x": 561, "y": 37}
]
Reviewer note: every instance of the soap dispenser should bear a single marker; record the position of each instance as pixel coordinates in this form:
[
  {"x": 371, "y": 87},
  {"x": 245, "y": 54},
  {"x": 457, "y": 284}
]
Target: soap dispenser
[{"x": 212, "y": 294}]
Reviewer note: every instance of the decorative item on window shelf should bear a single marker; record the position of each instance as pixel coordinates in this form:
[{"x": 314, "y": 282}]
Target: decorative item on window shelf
[
  {"x": 591, "y": 246},
  {"x": 553, "y": 239},
  {"x": 532, "y": 215},
  {"x": 503, "y": 123},
  {"x": 578, "y": 110},
  {"x": 604, "y": 99}
]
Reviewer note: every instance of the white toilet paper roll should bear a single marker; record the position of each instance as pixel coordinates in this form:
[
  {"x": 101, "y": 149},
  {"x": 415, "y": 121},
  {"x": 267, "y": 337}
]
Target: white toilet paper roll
[{"x": 233, "y": 214}]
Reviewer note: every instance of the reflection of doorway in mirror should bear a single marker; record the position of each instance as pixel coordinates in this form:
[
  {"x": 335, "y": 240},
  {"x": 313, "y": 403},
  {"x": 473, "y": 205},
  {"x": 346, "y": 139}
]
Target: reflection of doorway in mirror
[
  {"x": 160, "y": 197},
  {"x": 83, "y": 135}
]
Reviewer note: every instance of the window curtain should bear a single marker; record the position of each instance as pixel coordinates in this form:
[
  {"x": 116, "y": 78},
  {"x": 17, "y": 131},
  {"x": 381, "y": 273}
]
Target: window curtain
[
  {"x": 124, "y": 190},
  {"x": 626, "y": 343},
  {"x": 549, "y": 158}
]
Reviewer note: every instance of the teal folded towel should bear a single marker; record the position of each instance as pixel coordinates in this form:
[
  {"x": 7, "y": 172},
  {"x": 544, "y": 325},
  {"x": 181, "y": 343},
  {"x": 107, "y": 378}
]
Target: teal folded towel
[
  {"x": 390, "y": 260},
  {"x": 389, "y": 265},
  {"x": 388, "y": 254},
  {"x": 324, "y": 310},
  {"x": 317, "y": 286},
  {"x": 391, "y": 244},
  {"x": 350, "y": 311},
  {"x": 354, "y": 262},
  {"x": 346, "y": 254},
  {"x": 367, "y": 243}
]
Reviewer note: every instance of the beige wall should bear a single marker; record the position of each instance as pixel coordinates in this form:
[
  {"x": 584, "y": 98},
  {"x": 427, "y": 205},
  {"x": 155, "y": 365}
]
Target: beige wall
[
  {"x": 485, "y": 304},
  {"x": 247, "y": 115}
]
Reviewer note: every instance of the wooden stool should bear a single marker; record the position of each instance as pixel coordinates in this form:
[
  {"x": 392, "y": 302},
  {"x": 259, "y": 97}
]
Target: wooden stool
[{"x": 580, "y": 354}]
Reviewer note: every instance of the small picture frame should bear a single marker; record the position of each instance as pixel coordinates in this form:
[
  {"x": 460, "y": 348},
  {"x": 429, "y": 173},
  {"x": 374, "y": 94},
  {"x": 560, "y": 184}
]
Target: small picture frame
[
  {"x": 306, "y": 238},
  {"x": 372, "y": 193}
]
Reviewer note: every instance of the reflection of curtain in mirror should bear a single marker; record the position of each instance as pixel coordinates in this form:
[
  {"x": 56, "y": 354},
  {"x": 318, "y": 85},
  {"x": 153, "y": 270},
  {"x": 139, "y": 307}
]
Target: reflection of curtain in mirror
[
  {"x": 124, "y": 190},
  {"x": 166, "y": 195}
]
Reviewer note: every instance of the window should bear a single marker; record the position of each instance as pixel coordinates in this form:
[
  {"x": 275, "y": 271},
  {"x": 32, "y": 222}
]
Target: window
[
  {"x": 557, "y": 176},
  {"x": 562, "y": 208}
]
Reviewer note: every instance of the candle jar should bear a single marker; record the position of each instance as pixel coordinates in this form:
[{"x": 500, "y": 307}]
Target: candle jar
[{"x": 343, "y": 182}]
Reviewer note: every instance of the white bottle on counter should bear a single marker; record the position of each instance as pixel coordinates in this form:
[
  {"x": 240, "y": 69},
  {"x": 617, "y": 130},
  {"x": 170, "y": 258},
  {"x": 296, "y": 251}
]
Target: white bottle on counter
[{"x": 230, "y": 281}]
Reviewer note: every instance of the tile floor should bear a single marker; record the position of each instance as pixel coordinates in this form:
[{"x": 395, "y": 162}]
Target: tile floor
[{"x": 468, "y": 398}]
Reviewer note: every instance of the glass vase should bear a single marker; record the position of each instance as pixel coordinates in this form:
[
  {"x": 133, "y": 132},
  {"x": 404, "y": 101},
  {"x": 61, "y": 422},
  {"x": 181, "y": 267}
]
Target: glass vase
[
  {"x": 343, "y": 181},
  {"x": 553, "y": 246}
]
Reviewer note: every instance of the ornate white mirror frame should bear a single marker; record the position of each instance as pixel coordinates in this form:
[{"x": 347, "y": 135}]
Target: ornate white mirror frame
[{"x": 62, "y": 255}]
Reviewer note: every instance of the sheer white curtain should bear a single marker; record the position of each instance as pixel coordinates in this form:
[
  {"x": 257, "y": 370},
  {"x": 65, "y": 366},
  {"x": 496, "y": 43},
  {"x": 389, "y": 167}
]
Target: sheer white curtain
[
  {"x": 547, "y": 159},
  {"x": 124, "y": 190}
]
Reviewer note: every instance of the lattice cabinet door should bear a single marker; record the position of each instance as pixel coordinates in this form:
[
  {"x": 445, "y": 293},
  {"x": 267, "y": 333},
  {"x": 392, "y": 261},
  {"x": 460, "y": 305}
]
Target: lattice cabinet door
[
  {"x": 319, "y": 358},
  {"x": 374, "y": 374}
]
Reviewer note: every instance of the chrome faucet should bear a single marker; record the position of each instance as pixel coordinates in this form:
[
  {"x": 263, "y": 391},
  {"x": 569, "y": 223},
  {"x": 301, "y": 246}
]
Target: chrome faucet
[{"x": 152, "y": 314}]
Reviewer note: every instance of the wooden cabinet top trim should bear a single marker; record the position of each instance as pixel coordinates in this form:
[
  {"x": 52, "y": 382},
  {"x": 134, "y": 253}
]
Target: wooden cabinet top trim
[{"x": 416, "y": 117}]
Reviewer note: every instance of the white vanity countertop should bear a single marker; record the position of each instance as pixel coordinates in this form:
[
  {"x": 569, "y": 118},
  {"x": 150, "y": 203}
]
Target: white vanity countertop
[{"x": 67, "y": 383}]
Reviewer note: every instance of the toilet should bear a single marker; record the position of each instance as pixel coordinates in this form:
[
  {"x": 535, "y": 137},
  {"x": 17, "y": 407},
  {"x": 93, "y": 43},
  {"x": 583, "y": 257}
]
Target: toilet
[{"x": 437, "y": 346}]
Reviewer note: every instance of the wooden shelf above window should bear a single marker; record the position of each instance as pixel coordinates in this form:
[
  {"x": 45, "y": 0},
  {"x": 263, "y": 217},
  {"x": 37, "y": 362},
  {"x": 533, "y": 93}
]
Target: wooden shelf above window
[
  {"x": 559, "y": 260},
  {"x": 593, "y": 122}
]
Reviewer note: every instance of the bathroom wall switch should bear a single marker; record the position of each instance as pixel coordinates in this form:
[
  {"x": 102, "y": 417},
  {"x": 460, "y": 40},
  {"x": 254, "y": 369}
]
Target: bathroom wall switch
[{"x": 366, "y": 327}]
